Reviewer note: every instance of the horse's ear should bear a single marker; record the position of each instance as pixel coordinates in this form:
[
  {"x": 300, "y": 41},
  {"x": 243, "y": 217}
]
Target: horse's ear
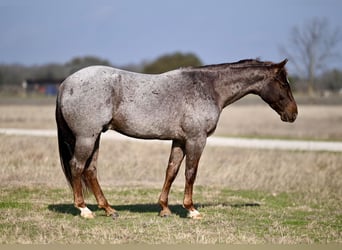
[
  {"x": 282, "y": 64},
  {"x": 277, "y": 67}
]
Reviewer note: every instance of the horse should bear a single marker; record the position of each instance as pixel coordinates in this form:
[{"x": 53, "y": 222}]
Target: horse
[{"x": 182, "y": 105}]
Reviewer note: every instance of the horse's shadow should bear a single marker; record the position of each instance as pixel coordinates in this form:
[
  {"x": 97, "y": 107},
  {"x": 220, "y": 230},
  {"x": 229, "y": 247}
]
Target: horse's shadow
[
  {"x": 144, "y": 208},
  {"x": 134, "y": 208}
]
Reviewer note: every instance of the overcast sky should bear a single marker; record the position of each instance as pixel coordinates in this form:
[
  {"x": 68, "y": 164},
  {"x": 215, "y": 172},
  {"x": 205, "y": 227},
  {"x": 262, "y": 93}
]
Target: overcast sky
[{"x": 127, "y": 31}]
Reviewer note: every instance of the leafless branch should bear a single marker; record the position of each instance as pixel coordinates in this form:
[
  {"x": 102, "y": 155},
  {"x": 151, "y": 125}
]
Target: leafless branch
[{"x": 311, "y": 46}]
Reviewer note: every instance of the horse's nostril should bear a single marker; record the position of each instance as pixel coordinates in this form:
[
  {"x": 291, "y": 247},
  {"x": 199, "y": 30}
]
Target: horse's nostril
[{"x": 294, "y": 117}]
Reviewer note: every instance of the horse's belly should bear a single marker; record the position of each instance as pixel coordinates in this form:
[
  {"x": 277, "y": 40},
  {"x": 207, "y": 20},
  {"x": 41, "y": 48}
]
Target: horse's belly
[{"x": 147, "y": 126}]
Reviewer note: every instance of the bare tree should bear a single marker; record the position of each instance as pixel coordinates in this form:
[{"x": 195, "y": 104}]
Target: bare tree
[{"x": 311, "y": 47}]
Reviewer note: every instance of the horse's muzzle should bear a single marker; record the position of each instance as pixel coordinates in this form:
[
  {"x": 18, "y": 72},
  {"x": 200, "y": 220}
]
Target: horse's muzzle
[{"x": 289, "y": 116}]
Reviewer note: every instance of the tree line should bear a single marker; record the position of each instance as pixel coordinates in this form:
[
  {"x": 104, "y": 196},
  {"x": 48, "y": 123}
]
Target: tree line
[{"x": 14, "y": 75}]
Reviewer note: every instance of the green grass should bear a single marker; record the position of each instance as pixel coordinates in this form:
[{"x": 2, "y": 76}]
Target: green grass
[{"x": 46, "y": 215}]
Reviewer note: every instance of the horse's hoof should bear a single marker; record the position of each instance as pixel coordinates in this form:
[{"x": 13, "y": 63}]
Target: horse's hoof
[
  {"x": 89, "y": 216},
  {"x": 165, "y": 213},
  {"x": 115, "y": 215},
  {"x": 195, "y": 215},
  {"x": 87, "y": 213}
]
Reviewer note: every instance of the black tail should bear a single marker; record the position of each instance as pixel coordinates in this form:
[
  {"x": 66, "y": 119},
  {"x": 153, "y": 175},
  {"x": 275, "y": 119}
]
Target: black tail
[{"x": 66, "y": 142}]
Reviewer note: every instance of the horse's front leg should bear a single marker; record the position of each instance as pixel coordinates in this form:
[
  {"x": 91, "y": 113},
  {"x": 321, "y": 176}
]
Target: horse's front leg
[
  {"x": 175, "y": 160},
  {"x": 194, "y": 149}
]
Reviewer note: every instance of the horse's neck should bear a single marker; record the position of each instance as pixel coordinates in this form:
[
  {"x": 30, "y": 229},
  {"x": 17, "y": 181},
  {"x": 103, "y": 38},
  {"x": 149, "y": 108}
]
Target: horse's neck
[{"x": 234, "y": 84}]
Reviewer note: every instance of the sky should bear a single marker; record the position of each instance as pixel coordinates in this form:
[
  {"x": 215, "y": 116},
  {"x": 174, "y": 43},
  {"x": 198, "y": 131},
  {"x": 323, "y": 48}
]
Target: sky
[{"x": 126, "y": 32}]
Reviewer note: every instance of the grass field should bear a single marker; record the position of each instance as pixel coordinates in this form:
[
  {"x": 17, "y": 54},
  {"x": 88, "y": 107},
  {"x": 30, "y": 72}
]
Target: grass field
[
  {"x": 246, "y": 195},
  {"x": 40, "y": 215}
]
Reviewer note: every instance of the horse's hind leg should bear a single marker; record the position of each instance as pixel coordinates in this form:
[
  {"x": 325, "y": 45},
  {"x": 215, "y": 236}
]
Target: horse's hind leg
[
  {"x": 84, "y": 149},
  {"x": 90, "y": 176}
]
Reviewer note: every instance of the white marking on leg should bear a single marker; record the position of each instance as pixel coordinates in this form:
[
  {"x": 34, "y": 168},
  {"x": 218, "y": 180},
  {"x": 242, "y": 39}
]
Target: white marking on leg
[
  {"x": 86, "y": 213},
  {"x": 194, "y": 214}
]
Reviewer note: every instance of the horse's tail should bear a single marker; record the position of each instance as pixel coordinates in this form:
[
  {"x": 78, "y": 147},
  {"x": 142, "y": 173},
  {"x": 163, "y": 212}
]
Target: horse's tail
[{"x": 66, "y": 141}]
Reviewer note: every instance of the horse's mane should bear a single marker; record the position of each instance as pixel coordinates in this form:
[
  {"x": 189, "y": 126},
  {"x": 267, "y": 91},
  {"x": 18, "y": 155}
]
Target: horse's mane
[{"x": 239, "y": 64}]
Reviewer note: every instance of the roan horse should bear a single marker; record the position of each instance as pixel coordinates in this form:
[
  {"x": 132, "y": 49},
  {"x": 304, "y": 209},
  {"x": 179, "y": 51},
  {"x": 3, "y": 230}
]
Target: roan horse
[{"x": 182, "y": 105}]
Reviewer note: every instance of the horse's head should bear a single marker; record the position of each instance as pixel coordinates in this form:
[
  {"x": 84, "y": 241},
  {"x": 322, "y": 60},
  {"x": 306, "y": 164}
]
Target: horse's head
[{"x": 277, "y": 93}]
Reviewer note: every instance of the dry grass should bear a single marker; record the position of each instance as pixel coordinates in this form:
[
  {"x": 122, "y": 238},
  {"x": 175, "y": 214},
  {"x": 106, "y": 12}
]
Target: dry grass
[
  {"x": 34, "y": 161},
  {"x": 313, "y": 122},
  {"x": 33, "y": 117}
]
